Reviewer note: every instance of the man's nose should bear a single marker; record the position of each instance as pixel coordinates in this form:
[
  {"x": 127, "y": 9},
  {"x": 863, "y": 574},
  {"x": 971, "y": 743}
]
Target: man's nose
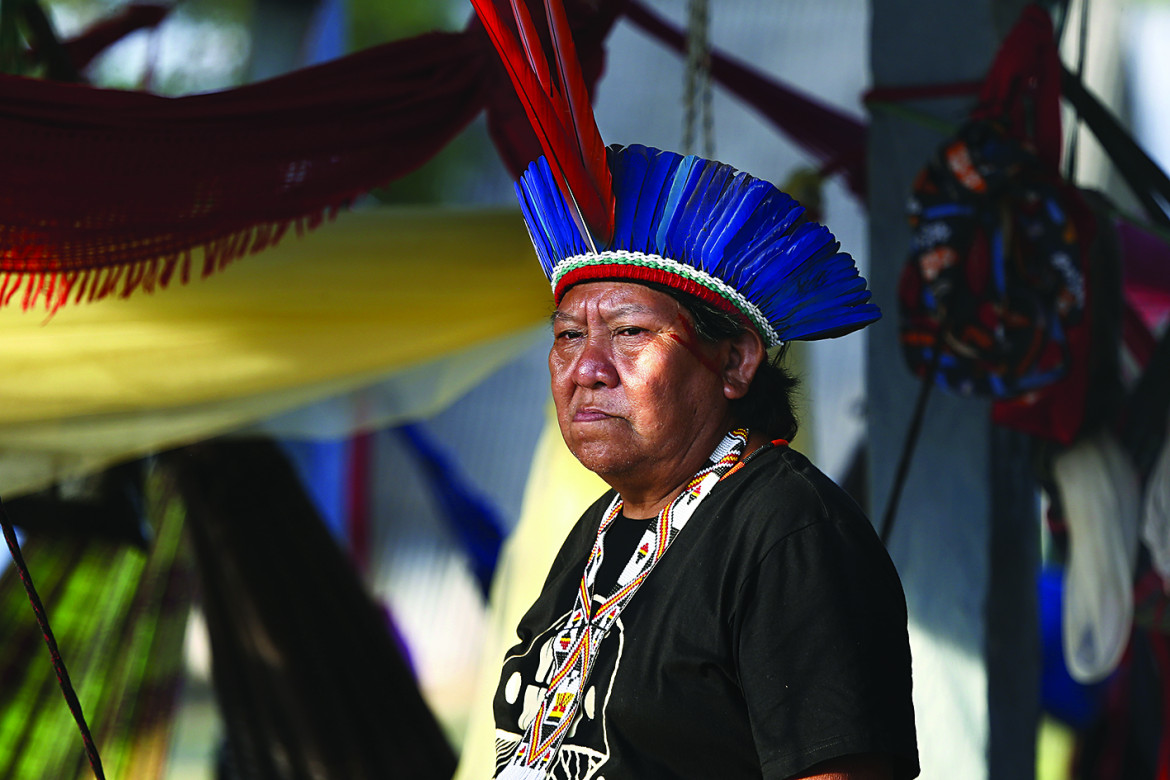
[{"x": 594, "y": 367}]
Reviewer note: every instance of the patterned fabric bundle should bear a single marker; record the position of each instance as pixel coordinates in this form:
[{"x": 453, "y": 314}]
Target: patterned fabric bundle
[{"x": 994, "y": 294}]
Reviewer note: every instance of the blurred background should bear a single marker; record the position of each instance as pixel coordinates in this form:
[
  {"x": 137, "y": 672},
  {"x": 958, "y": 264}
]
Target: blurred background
[{"x": 285, "y": 517}]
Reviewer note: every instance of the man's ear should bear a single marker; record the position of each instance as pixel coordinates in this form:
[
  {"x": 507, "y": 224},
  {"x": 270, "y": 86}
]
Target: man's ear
[{"x": 745, "y": 354}]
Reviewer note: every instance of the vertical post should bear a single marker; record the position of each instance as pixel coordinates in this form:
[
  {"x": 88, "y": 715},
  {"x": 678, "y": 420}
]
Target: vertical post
[
  {"x": 1013, "y": 610},
  {"x": 952, "y": 531}
]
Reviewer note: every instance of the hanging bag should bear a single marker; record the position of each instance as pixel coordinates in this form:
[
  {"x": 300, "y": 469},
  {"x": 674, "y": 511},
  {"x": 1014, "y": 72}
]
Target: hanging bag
[{"x": 995, "y": 279}]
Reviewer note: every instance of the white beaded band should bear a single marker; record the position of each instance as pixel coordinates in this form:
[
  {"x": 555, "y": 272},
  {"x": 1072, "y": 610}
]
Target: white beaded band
[{"x": 715, "y": 285}]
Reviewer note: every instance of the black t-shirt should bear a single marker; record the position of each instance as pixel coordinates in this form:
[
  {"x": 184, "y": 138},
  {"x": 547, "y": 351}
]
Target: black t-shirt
[
  {"x": 621, "y": 538},
  {"x": 770, "y": 637}
]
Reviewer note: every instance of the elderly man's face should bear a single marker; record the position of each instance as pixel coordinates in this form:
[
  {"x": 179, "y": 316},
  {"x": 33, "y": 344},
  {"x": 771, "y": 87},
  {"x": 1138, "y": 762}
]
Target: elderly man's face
[{"x": 639, "y": 397}]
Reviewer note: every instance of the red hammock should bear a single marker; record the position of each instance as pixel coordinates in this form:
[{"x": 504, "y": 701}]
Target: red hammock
[
  {"x": 107, "y": 190},
  {"x": 103, "y": 192}
]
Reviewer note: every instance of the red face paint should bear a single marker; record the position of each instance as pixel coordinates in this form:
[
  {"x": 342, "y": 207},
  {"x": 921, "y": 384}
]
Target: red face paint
[{"x": 691, "y": 342}]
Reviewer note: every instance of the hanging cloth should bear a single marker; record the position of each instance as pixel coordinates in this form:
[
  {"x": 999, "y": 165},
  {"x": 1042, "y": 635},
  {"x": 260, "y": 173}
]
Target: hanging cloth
[
  {"x": 109, "y": 191},
  {"x": 106, "y": 191}
]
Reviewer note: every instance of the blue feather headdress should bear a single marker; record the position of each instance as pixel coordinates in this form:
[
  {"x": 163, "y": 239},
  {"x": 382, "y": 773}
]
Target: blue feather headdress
[
  {"x": 703, "y": 227},
  {"x": 642, "y": 214}
]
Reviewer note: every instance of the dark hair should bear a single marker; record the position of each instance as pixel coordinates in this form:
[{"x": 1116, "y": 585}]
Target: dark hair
[{"x": 768, "y": 406}]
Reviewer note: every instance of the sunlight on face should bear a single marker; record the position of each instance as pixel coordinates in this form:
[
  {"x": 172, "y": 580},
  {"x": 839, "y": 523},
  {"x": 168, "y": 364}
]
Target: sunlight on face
[{"x": 639, "y": 398}]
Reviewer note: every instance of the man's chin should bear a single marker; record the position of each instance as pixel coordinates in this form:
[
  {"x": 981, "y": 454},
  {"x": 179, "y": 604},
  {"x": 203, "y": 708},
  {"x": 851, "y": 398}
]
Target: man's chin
[{"x": 600, "y": 458}]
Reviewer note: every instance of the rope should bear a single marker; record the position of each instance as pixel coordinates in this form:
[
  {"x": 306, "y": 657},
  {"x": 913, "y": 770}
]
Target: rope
[
  {"x": 697, "y": 92},
  {"x": 910, "y": 443},
  {"x": 91, "y": 752}
]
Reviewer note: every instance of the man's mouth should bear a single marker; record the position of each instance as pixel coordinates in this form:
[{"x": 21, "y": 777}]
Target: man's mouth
[{"x": 590, "y": 414}]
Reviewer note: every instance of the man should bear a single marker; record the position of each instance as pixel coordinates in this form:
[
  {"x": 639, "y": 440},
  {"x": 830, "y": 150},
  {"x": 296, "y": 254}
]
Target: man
[{"x": 725, "y": 611}]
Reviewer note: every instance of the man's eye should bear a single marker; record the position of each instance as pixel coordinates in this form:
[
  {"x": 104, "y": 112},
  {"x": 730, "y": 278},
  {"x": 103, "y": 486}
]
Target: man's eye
[
  {"x": 631, "y": 330},
  {"x": 567, "y": 335}
]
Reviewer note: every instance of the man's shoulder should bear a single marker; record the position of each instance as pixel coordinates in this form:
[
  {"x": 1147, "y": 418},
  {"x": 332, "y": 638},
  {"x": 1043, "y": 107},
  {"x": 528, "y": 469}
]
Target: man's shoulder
[
  {"x": 785, "y": 475},
  {"x": 780, "y": 493}
]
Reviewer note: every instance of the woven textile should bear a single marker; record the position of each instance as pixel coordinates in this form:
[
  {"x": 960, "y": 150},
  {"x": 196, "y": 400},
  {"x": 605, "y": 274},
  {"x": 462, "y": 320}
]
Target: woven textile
[
  {"x": 108, "y": 191},
  {"x": 103, "y": 192}
]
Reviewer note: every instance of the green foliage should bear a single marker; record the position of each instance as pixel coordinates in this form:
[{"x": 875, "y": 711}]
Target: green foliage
[{"x": 119, "y": 616}]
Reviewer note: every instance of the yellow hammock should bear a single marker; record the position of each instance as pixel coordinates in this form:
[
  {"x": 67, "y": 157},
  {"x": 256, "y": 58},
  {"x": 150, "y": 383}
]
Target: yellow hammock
[{"x": 436, "y": 297}]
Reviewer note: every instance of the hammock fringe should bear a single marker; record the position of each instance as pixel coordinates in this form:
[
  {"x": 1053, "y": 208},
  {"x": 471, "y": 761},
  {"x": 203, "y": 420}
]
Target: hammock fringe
[{"x": 53, "y": 289}]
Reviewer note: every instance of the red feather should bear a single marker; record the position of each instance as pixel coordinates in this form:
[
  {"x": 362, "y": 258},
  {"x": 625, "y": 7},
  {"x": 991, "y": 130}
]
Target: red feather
[
  {"x": 563, "y": 121},
  {"x": 532, "y": 48},
  {"x": 589, "y": 143}
]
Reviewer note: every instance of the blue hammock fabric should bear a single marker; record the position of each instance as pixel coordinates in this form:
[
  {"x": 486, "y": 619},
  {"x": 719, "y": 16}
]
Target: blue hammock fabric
[
  {"x": 476, "y": 523},
  {"x": 705, "y": 228}
]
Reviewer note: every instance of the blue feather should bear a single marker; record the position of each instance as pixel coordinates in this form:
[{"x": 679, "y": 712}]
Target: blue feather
[
  {"x": 825, "y": 302},
  {"x": 774, "y": 217},
  {"x": 539, "y": 242},
  {"x": 851, "y": 318},
  {"x": 845, "y": 322},
  {"x": 702, "y": 206},
  {"x": 651, "y": 199},
  {"x": 685, "y": 179},
  {"x": 825, "y": 269},
  {"x": 801, "y": 291},
  {"x": 812, "y": 290},
  {"x": 540, "y": 227},
  {"x": 831, "y": 300},
  {"x": 817, "y": 302},
  {"x": 807, "y": 239},
  {"x": 562, "y": 229},
  {"x": 761, "y": 238},
  {"x": 786, "y": 259},
  {"x": 738, "y": 207},
  {"x": 755, "y": 267},
  {"x": 629, "y": 174}
]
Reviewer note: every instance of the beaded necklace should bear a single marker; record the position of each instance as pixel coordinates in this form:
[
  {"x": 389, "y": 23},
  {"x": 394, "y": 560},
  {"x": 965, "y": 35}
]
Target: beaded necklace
[{"x": 575, "y": 645}]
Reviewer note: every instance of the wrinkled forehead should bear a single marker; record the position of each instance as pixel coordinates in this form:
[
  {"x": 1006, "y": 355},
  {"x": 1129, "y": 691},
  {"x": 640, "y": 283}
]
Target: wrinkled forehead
[{"x": 611, "y": 299}]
